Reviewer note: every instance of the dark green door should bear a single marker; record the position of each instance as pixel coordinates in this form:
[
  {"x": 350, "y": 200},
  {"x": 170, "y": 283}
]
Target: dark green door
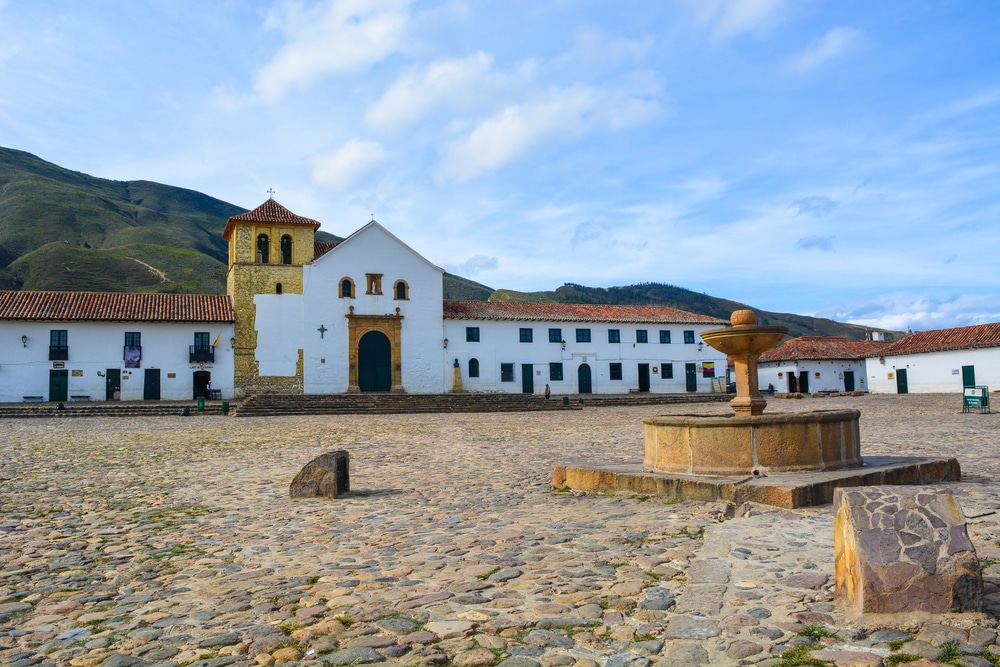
[
  {"x": 848, "y": 380},
  {"x": 804, "y": 382},
  {"x": 583, "y": 379},
  {"x": 527, "y": 379},
  {"x": 968, "y": 376},
  {"x": 151, "y": 385},
  {"x": 691, "y": 377},
  {"x": 901, "y": 387},
  {"x": 374, "y": 362},
  {"x": 112, "y": 384},
  {"x": 58, "y": 385},
  {"x": 643, "y": 377}
]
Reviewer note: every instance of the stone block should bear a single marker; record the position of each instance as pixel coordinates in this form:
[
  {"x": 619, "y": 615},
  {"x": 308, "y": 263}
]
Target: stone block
[
  {"x": 903, "y": 549},
  {"x": 326, "y": 476}
]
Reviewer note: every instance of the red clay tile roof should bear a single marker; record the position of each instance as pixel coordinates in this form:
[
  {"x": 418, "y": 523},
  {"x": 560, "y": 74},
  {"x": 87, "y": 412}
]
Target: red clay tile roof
[
  {"x": 320, "y": 248},
  {"x": 823, "y": 347},
  {"x": 572, "y": 312},
  {"x": 115, "y": 306},
  {"x": 269, "y": 211},
  {"x": 940, "y": 340}
]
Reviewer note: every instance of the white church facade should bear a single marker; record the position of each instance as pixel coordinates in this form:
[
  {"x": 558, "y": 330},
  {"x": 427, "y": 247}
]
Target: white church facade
[{"x": 363, "y": 315}]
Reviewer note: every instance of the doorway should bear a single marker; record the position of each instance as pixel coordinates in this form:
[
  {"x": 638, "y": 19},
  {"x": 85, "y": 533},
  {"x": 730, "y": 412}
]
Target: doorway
[
  {"x": 901, "y": 386},
  {"x": 113, "y": 384},
  {"x": 201, "y": 381},
  {"x": 643, "y": 377},
  {"x": 151, "y": 385},
  {"x": 58, "y": 385},
  {"x": 968, "y": 376},
  {"x": 691, "y": 377},
  {"x": 374, "y": 362},
  {"x": 527, "y": 379},
  {"x": 804, "y": 382},
  {"x": 583, "y": 379},
  {"x": 848, "y": 380}
]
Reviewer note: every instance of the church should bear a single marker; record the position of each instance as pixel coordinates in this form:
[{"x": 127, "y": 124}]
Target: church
[{"x": 366, "y": 314}]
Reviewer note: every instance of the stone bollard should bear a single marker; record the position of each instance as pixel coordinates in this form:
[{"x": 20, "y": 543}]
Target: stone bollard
[
  {"x": 903, "y": 549},
  {"x": 326, "y": 476}
]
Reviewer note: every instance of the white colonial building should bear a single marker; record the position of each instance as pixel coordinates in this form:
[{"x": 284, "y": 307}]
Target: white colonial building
[
  {"x": 817, "y": 364},
  {"x": 64, "y": 346},
  {"x": 941, "y": 360},
  {"x": 363, "y": 315}
]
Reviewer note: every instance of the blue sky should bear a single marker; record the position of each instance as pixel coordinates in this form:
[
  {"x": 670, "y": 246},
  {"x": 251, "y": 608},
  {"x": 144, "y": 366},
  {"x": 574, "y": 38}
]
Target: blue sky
[{"x": 830, "y": 158}]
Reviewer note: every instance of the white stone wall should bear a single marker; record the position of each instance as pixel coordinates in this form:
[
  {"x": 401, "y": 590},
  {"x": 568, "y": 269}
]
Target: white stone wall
[
  {"x": 94, "y": 347},
  {"x": 499, "y": 342},
  {"x": 935, "y": 372},
  {"x": 831, "y": 374},
  {"x": 279, "y": 333},
  {"x": 373, "y": 250}
]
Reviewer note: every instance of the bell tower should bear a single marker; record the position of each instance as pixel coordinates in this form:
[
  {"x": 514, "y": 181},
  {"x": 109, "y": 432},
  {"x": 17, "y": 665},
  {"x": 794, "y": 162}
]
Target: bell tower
[{"x": 268, "y": 247}]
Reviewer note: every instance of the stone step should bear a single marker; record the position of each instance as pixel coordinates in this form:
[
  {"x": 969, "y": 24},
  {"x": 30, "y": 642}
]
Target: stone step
[{"x": 304, "y": 404}]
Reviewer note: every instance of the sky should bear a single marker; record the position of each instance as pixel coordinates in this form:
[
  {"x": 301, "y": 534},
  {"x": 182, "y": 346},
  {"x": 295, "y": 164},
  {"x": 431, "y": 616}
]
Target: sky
[{"x": 833, "y": 158}]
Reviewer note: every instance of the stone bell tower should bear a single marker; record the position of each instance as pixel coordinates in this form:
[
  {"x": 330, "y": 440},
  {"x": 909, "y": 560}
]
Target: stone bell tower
[{"x": 268, "y": 247}]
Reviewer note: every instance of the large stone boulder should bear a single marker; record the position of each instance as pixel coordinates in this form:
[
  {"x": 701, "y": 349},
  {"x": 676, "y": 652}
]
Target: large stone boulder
[
  {"x": 326, "y": 476},
  {"x": 903, "y": 549}
]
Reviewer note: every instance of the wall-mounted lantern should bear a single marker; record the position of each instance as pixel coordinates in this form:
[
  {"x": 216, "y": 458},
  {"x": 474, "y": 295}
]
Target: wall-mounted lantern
[
  {"x": 24, "y": 341},
  {"x": 446, "y": 343}
]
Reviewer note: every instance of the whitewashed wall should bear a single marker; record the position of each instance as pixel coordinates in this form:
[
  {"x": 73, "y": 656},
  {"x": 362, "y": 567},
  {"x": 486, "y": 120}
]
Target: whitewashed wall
[
  {"x": 95, "y": 347},
  {"x": 831, "y": 374},
  {"x": 499, "y": 342},
  {"x": 278, "y": 323},
  {"x": 373, "y": 250},
  {"x": 935, "y": 372}
]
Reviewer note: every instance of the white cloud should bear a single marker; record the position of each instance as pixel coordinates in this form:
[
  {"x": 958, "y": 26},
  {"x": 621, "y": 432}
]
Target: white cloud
[
  {"x": 453, "y": 82},
  {"x": 833, "y": 44},
  {"x": 594, "y": 47},
  {"x": 336, "y": 37},
  {"x": 557, "y": 115},
  {"x": 901, "y": 311},
  {"x": 347, "y": 165},
  {"x": 728, "y": 18},
  {"x": 477, "y": 264},
  {"x": 514, "y": 131}
]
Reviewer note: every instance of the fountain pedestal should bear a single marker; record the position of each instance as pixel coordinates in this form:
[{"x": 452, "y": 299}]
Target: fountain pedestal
[{"x": 751, "y": 442}]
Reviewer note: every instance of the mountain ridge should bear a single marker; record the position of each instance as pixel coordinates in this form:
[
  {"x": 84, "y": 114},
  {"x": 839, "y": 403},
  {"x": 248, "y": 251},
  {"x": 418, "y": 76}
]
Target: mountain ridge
[{"x": 67, "y": 230}]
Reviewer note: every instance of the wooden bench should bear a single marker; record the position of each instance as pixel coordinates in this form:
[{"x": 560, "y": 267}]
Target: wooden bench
[
  {"x": 79, "y": 397},
  {"x": 33, "y": 399}
]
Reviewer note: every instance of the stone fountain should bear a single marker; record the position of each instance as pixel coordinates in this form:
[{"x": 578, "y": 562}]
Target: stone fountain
[
  {"x": 788, "y": 459},
  {"x": 750, "y": 442}
]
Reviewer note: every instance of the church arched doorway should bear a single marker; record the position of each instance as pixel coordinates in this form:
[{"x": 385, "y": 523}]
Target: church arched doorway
[{"x": 374, "y": 362}]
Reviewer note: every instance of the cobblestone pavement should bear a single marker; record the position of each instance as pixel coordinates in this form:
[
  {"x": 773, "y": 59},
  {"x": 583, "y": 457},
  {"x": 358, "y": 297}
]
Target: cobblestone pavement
[{"x": 172, "y": 541}]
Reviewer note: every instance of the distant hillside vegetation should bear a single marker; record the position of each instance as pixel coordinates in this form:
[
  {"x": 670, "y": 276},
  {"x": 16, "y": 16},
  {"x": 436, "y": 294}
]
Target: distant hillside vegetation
[{"x": 64, "y": 230}]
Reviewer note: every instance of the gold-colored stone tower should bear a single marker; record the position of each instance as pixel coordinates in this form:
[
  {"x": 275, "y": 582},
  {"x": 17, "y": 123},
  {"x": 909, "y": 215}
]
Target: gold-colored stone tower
[{"x": 268, "y": 247}]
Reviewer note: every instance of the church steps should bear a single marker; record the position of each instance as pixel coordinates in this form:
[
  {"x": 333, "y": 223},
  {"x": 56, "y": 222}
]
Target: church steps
[{"x": 344, "y": 404}]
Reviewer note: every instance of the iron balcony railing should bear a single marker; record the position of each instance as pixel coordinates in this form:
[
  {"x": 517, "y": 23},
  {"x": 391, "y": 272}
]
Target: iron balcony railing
[{"x": 201, "y": 354}]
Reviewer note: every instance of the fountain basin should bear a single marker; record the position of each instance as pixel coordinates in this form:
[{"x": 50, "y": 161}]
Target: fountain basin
[{"x": 748, "y": 445}]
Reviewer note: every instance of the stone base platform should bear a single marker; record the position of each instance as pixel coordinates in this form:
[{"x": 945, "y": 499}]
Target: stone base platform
[{"x": 789, "y": 490}]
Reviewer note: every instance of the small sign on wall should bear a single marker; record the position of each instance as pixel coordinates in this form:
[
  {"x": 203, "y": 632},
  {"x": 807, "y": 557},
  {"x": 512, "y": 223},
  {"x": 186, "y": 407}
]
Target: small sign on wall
[
  {"x": 171, "y": 376},
  {"x": 77, "y": 374},
  {"x": 890, "y": 375}
]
